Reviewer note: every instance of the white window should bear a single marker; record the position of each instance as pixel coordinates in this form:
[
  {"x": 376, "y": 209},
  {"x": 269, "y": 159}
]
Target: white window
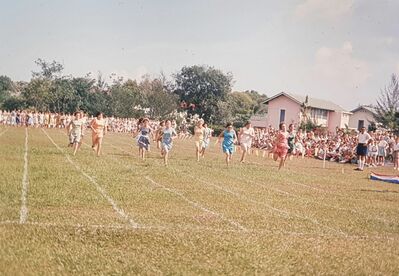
[{"x": 319, "y": 114}]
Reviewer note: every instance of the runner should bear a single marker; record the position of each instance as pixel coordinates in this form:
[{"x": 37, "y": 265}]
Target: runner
[
  {"x": 229, "y": 137},
  {"x": 207, "y": 139},
  {"x": 291, "y": 141},
  {"x": 281, "y": 145},
  {"x": 247, "y": 134},
  {"x": 167, "y": 136},
  {"x": 143, "y": 141},
  {"x": 99, "y": 129},
  {"x": 158, "y": 135},
  {"x": 75, "y": 130},
  {"x": 199, "y": 133}
]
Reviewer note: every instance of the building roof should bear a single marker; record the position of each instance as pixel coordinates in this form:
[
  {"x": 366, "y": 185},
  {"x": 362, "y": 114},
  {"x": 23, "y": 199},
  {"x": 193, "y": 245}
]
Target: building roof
[
  {"x": 365, "y": 107},
  {"x": 312, "y": 102}
]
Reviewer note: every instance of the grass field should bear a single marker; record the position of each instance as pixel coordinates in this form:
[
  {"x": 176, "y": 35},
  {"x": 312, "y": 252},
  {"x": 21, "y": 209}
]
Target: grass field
[{"x": 61, "y": 214}]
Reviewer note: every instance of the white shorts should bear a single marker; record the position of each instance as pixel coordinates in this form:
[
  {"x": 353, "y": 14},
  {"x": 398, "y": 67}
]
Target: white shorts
[{"x": 246, "y": 146}]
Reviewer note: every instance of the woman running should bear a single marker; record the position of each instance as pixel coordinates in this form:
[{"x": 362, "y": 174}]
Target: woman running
[
  {"x": 158, "y": 135},
  {"x": 143, "y": 140},
  {"x": 199, "y": 133},
  {"x": 291, "y": 140},
  {"x": 281, "y": 145},
  {"x": 207, "y": 139},
  {"x": 75, "y": 130},
  {"x": 167, "y": 136},
  {"x": 247, "y": 134},
  {"x": 229, "y": 137},
  {"x": 99, "y": 129}
]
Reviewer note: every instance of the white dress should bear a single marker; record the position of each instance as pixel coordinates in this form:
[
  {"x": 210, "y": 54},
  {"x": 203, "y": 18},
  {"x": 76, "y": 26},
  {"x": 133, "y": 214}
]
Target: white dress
[{"x": 246, "y": 138}]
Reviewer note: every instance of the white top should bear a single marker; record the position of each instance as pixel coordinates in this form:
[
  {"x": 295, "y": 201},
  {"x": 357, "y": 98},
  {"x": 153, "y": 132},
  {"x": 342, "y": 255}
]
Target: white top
[
  {"x": 364, "y": 138},
  {"x": 247, "y": 134},
  {"x": 383, "y": 144},
  {"x": 396, "y": 147}
]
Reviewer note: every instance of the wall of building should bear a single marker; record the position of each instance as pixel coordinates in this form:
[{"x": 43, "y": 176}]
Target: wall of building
[
  {"x": 361, "y": 114},
  {"x": 337, "y": 119},
  {"x": 259, "y": 121},
  {"x": 292, "y": 111}
]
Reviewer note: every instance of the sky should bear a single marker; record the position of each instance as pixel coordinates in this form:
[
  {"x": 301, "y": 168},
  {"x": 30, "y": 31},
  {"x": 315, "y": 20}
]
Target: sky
[{"x": 339, "y": 50}]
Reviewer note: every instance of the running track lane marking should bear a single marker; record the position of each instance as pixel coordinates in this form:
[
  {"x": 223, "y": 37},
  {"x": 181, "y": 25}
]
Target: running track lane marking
[
  {"x": 240, "y": 196},
  {"x": 23, "y": 216},
  {"x": 282, "y": 213},
  {"x": 197, "y": 205},
  {"x": 193, "y": 203},
  {"x": 193, "y": 229},
  {"x": 116, "y": 208},
  {"x": 1, "y": 133}
]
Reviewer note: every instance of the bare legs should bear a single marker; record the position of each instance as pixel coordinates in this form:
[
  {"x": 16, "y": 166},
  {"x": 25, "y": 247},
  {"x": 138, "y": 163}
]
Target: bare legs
[
  {"x": 97, "y": 145},
  {"x": 243, "y": 155},
  {"x": 75, "y": 148},
  {"x": 282, "y": 160},
  {"x": 228, "y": 158},
  {"x": 198, "y": 152},
  {"x": 165, "y": 154},
  {"x": 142, "y": 153}
]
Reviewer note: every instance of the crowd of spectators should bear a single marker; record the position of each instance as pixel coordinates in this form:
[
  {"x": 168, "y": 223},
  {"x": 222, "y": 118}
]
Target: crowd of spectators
[{"x": 339, "y": 146}]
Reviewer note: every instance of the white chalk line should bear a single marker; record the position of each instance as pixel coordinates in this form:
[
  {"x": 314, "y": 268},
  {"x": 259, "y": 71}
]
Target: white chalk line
[
  {"x": 191, "y": 202},
  {"x": 300, "y": 198},
  {"x": 199, "y": 229},
  {"x": 116, "y": 208},
  {"x": 282, "y": 213},
  {"x": 307, "y": 201},
  {"x": 4, "y": 131},
  {"x": 197, "y": 205},
  {"x": 23, "y": 216}
]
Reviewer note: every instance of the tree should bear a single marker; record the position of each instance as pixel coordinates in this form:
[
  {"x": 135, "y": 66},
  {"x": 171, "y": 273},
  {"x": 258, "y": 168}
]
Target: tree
[
  {"x": 82, "y": 87},
  {"x": 6, "y": 89},
  {"x": 160, "y": 101},
  {"x": 125, "y": 98},
  {"x": 61, "y": 97},
  {"x": 14, "y": 103},
  {"x": 388, "y": 105},
  {"x": 243, "y": 105},
  {"x": 49, "y": 70},
  {"x": 203, "y": 87},
  {"x": 37, "y": 94}
]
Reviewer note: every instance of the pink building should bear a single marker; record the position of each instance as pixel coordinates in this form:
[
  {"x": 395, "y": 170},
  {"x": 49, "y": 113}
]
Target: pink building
[{"x": 288, "y": 108}]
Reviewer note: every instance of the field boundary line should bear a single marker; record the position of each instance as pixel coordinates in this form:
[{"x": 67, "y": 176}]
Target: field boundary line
[
  {"x": 23, "y": 215},
  {"x": 191, "y": 202},
  {"x": 191, "y": 229},
  {"x": 197, "y": 205},
  {"x": 303, "y": 199},
  {"x": 4, "y": 131},
  {"x": 285, "y": 213},
  {"x": 306, "y": 199},
  {"x": 99, "y": 189}
]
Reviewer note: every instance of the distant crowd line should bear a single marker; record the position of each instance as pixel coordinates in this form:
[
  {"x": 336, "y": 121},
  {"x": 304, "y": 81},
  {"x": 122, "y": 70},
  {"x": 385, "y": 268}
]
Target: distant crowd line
[{"x": 341, "y": 146}]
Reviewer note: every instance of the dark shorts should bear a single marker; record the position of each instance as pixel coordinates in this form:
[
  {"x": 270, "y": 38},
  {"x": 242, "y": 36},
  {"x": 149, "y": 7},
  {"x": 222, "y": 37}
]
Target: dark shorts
[{"x": 361, "y": 150}]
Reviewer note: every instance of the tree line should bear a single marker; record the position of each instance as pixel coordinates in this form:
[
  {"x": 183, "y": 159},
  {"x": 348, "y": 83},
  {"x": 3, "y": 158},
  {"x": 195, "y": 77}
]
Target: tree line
[{"x": 202, "y": 90}]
